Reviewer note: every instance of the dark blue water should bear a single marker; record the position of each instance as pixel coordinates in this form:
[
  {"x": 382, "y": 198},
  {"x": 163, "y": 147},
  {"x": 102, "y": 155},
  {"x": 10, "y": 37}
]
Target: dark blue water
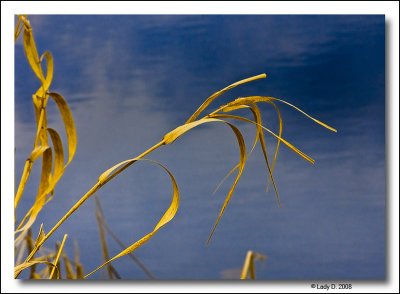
[{"x": 131, "y": 79}]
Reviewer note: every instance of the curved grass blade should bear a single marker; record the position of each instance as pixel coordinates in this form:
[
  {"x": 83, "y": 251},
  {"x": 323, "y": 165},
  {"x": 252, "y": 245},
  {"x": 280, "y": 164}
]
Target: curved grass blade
[
  {"x": 167, "y": 217},
  {"x": 210, "y": 99},
  {"x": 257, "y": 114},
  {"x": 58, "y": 154},
  {"x": 36, "y": 153},
  {"x": 255, "y": 99},
  {"x": 69, "y": 124},
  {"x": 242, "y": 147},
  {"x": 31, "y": 51},
  {"x": 293, "y": 148},
  {"x": 50, "y": 70},
  {"x": 229, "y": 109},
  {"x": 179, "y": 131},
  {"x": 131, "y": 255},
  {"x": 45, "y": 187}
]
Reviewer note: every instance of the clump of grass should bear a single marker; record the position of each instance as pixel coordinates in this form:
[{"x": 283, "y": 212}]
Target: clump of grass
[{"x": 51, "y": 174}]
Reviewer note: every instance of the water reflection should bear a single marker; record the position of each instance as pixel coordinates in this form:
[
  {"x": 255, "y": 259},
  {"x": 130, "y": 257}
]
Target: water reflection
[{"x": 130, "y": 79}]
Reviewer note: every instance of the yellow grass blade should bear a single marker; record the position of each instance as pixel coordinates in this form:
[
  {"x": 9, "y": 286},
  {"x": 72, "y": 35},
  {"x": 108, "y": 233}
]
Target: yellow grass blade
[
  {"x": 168, "y": 215},
  {"x": 255, "y": 99},
  {"x": 41, "y": 134},
  {"x": 18, "y": 29},
  {"x": 257, "y": 115},
  {"x": 31, "y": 51},
  {"x": 248, "y": 154},
  {"x": 280, "y": 120},
  {"x": 249, "y": 264},
  {"x": 40, "y": 235},
  {"x": 179, "y": 131},
  {"x": 58, "y": 256},
  {"x": 242, "y": 147},
  {"x": 69, "y": 124},
  {"x": 19, "y": 268},
  {"x": 219, "y": 93},
  {"x": 36, "y": 153},
  {"x": 58, "y": 154},
  {"x": 45, "y": 187},
  {"x": 259, "y": 136},
  {"x": 293, "y": 148},
  {"x": 123, "y": 246},
  {"x": 50, "y": 70}
]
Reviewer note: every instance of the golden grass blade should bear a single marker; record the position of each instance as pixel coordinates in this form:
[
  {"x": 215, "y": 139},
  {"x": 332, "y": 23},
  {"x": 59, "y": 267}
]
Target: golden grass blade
[
  {"x": 50, "y": 70},
  {"x": 31, "y": 51},
  {"x": 36, "y": 153},
  {"x": 257, "y": 115},
  {"x": 293, "y": 148},
  {"x": 255, "y": 99},
  {"x": 112, "y": 273},
  {"x": 219, "y": 93},
  {"x": 110, "y": 175},
  {"x": 19, "y": 268},
  {"x": 69, "y": 124},
  {"x": 131, "y": 255},
  {"x": 58, "y": 256},
  {"x": 167, "y": 217},
  {"x": 58, "y": 154},
  {"x": 40, "y": 235},
  {"x": 249, "y": 265},
  {"x": 45, "y": 187},
  {"x": 280, "y": 120},
  {"x": 242, "y": 147},
  {"x": 179, "y": 131},
  {"x": 225, "y": 178},
  {"x": 229, "y": 109},
  {"x": 41, "y": 134},
  {"x": 18, "y": 29}
]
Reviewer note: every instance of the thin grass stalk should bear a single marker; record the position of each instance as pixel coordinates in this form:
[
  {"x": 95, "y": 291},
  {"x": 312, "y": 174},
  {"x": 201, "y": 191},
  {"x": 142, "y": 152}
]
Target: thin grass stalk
[{"x": 58, "y": 256}]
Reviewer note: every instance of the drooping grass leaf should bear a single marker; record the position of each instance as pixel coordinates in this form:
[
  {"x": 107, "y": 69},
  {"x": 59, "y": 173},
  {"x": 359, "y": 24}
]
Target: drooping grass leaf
[
  {"x": 168, "y": 215},
  {"x": 255, "y": 99},
  {"x": 31, "y": 51},
  {"x": 293, "y": 148},
  {"x": 69, "y": 124},
  {"x": 36, "y": 153}
]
